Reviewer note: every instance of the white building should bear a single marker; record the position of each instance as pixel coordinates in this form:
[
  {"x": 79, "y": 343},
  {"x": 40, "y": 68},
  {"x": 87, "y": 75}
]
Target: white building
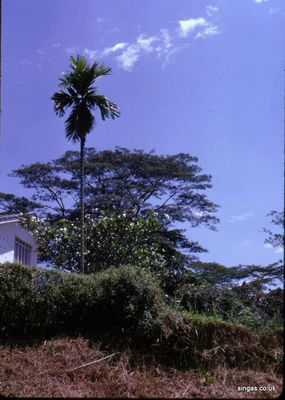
[{"x": 16, "y": 243}]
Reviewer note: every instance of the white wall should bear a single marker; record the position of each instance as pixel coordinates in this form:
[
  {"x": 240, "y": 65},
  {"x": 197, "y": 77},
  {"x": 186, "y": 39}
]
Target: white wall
[{"x": 8, "y": 232}]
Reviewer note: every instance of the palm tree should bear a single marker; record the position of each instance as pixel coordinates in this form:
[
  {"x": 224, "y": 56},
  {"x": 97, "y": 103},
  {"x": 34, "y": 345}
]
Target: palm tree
[{"x": 82, "y": 98}]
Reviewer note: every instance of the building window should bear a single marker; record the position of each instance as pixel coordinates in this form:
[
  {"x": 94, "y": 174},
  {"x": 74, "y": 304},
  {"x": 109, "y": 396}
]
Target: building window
[{"x": 22, "y": 252}]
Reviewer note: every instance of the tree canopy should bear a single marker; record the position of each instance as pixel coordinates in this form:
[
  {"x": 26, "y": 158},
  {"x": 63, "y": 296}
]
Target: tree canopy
[
  {"x": 173, "y": 186},
  {"x": 11, "y": 204}
]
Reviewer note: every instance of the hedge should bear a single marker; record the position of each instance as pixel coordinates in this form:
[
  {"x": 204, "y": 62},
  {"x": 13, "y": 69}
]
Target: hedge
[{"x": 35, "y": 301}]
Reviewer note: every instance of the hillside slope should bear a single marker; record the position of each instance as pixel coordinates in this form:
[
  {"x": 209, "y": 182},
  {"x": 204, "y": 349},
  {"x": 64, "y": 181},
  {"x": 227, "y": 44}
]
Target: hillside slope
[{"x": 44, "y": 371}]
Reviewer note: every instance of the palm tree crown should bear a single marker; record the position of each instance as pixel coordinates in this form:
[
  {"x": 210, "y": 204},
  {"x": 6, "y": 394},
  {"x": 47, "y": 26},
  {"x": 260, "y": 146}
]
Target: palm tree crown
[{"x": 82, "y": 97}]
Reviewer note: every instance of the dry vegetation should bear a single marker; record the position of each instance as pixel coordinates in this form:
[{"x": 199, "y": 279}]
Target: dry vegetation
[
  {"x": 44, "y": 371},
  {"x": 161, "y": 352}
]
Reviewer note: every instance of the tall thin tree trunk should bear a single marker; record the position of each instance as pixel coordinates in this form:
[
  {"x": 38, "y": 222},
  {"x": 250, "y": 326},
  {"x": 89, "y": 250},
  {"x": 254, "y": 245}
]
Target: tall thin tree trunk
[{"x": 82, "y": 236}]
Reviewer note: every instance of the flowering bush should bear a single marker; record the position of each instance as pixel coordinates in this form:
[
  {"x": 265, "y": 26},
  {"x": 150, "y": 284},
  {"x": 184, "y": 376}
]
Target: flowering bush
[{"x": 110, "y": 240}]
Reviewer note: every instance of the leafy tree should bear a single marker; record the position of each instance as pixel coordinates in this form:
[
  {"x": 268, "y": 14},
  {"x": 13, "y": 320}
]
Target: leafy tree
[
  {"x": 49, "y": 187},
  {"x": 250, "y": 303},
  {"x": 11, "y": 204},
  {"x": 112, "y": 240},
  {"x": 120, "y": 180},
  {"x": 218, "y": 274},
  {"x": 228, "y": 304},
  {"x": 81, "y": 96},
  {"x": 274, "y": 306},
  {"x": 275, "y": 239},
  {"x": 265, "y": 305},
  {"x": 173, "y": 186},
  {"x": 215, "y": 273},
  {"x": 198, "y": 297}
]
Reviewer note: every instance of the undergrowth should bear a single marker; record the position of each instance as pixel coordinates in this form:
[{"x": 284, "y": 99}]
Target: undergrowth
[
  {"x": 125, "y": 308},
  {"x": 49, "y": 370}
]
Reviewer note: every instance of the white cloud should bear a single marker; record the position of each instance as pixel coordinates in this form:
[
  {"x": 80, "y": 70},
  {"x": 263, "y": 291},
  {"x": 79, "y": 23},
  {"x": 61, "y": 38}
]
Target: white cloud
[
  {"x": 165, "y": 48},
  {"x": 166, "y": 38},
  {"x": 145, "y": 43},
  {"x": 211, "y": 30},
  {"x": 57, "y": 44},
  {"x": 91, "y": 54},
  {"x": 239, "y": 218},
  {"x": 260, "y": 1},
  {"x": 210, "y": 10},
  {"x": 132, "y": 53},
  {"x": 128, "y": 58},
  {"x": 186, "y": 26},
  {"x": 113, "y": 49},
  {"x": 163, "y": 44}
]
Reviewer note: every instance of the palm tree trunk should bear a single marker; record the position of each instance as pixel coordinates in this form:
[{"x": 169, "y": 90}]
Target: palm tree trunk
[{"x": 82, "y": 236}]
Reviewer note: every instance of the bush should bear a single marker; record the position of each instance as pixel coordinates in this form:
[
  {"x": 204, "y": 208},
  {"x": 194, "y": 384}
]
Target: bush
[
  {"x": 110, "y": 240},
  {"x": 233, "y": 304},
  {"x": 199, "y": 341},
  {"x": 198, "y": 298},
  {"x": 36, "y": 301}
]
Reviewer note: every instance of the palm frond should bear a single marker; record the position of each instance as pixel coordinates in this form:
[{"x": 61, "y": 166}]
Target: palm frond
[
  {"x": 107, "y": 108},
  {"x": 62, "y": 100},
  {"x": 79, "y": 123},
  {"x": 99, "y": 69}
]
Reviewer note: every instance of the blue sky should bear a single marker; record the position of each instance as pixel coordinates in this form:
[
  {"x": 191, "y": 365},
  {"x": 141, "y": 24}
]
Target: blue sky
[{"x": 195, "y": 76}]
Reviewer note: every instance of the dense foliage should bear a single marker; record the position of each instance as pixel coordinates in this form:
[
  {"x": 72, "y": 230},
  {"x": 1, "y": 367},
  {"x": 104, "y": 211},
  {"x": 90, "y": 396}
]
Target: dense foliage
[
  {"x": 249, "y": 295},
  {"x": 11, "y": 204},
  {"x": 218, "y": 274},
  {"x": 36, "y": 301},
  {"x": 247, "y": 304},
  {"x": 111, "y": 240},
  {"x": 119, "y": 180}
]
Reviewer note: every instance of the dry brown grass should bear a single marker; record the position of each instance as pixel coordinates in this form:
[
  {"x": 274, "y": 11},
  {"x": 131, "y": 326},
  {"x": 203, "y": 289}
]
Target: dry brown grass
[{"x": 41, "y": 371}]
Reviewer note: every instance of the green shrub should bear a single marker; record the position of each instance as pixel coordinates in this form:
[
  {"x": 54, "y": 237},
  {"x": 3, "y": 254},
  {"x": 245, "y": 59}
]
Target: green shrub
[
  {"x": 16, "y": 296},
  {"x": 232, "y": 304},
  {"x": 34, "y": 300},
  {"x": 111, "y": 240},
  {"x": 127, "y": 299},
  {"x": 198, "y": 298}
]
